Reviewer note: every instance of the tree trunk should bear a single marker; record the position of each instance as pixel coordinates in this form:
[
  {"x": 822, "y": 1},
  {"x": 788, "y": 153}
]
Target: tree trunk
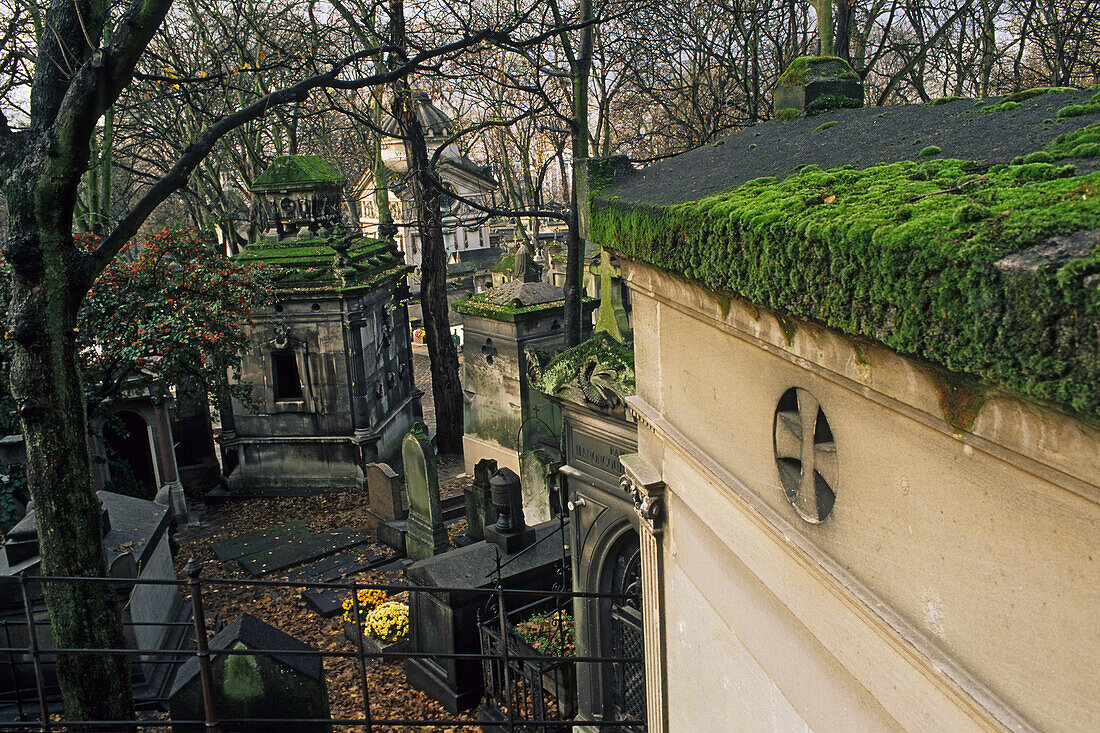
[
  {"x": 446, "y": 387},
  {"x": 45, "y": 382},
  {"x": 574, "y": 246}
]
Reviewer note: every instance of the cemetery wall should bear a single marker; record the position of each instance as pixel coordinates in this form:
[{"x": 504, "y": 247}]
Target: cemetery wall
[{"x": 953, "y": 584}]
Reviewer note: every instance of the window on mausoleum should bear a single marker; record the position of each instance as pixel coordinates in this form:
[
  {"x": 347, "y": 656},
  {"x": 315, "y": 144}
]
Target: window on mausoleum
[{"x": 285, "y": 376}]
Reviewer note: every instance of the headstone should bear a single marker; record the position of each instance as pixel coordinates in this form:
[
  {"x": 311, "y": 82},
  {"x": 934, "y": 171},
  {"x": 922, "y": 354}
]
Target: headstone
[
  {"x": 384, "y": 491},
  {"x": 426, "y": 534},
  {"x": 267, "y": 685},
  {"x": 479, "y": 502},
  {"x": 510, "y": 532}
]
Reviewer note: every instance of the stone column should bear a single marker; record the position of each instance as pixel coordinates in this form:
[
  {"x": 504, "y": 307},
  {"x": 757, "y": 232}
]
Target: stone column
[
  {"x": 171, "y": 490},
  {"x": 644, "y": 483}
]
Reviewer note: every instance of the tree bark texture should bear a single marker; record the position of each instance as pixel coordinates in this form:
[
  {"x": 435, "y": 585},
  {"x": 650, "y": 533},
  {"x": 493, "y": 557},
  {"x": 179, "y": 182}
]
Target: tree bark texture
[
  {"x": 446, "y": 386},
  {"x": 582, "y": 70}
]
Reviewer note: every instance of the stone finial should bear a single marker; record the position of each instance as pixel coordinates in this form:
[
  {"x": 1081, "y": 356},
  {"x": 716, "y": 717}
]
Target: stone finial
[
  {"x": 526, "y": 269},
  {"x": 426, "y": 534},
  {"x": 510, "y": 532}
]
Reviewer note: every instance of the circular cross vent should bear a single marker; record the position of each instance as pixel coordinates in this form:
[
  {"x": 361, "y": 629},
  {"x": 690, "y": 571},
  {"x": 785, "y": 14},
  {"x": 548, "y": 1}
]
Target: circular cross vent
[{"x": 805, "y": 455}]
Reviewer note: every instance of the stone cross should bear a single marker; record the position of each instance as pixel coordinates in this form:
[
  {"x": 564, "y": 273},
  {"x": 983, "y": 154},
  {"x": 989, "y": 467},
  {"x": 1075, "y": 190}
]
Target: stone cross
[
  {"x": 426, "y": 534},
  {"x": 612, "y": 317},
  {"x": 384, "y": 492},
  {"x": 510, "y": 532}
]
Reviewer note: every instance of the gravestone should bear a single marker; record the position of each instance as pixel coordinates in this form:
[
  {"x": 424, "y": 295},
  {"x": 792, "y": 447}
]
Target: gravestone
[
  {"x": 526, "y": 269},
  {"x": 426, "y": 534},
  {"x": 510, "y": 532},
  {"x": 265, "y": 685},
  {"x": 479, "y": 503},
  {"x": 384, "y": 491}
]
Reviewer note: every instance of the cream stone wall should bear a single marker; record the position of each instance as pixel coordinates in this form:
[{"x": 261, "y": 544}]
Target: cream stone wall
[{"x": 955, "y": 583}]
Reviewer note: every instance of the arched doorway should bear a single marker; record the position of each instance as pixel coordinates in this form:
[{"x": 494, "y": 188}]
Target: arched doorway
[
  {"x": 129, "y": 456},
  {"x": 621, "y": 622}
]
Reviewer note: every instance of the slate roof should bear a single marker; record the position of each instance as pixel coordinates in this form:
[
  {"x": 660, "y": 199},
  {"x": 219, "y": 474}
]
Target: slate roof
[{"x": 860, "y": 138}]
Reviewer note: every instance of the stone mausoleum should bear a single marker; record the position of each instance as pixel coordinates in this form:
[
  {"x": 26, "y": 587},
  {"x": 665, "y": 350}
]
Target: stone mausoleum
[
  {"x": 868, "y": 465},
  {"x": 330, "y": 362}
]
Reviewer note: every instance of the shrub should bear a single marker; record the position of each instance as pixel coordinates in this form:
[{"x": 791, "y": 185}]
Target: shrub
[
  {"x": 787, "y": 114},
  {"x": 553, "y": 634}
]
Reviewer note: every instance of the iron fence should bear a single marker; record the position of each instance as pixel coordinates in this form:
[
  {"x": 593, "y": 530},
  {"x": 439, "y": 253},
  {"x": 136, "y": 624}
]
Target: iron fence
[{"x": 525, "y": 690}]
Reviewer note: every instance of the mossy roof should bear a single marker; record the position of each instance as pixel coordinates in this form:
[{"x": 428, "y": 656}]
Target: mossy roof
[
  {"x": 297, "y": 172},
  {"x": 984, "y": 259},
  {"x": 309, "y": 265}
]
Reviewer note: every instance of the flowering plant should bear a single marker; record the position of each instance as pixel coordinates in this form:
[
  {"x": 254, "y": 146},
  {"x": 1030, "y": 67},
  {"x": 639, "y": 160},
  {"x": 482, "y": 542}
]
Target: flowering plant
[
  {"x": 369, "y": 599},
  {"x": 389, "y": 622},
  {"x": 550, "y": 633}
]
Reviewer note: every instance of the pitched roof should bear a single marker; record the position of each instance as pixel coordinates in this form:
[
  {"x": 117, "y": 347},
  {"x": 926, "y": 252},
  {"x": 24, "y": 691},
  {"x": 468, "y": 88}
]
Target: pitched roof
[
  {"x": 434, "y": 120},
  {"x": 962, "y": 232},
  {"x": 297, "y": 173}
]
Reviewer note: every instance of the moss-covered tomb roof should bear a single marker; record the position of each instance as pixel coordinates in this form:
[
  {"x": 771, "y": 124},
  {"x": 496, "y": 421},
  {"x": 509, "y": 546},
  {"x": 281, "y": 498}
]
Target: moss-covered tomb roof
[
  {"x": 965, "y": 237},
  {"x": 310, "y": 265},
  {"x": 297, "y": 173}
]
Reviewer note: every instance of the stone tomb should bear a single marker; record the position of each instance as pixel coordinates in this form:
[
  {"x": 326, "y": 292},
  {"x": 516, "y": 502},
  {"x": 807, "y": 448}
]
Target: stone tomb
[
  {"x": 447, "y": 621},
  {"x": 136, "y": 541},
  {"x": 331, "y": 361},
  {"x": 503, "y": 417},
  {"x": 263, "y": 685}
]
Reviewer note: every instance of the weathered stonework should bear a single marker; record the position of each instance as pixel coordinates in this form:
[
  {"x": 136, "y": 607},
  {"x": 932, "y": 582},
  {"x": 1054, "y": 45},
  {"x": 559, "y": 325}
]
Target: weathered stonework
[{"x": 330, "y": 365}]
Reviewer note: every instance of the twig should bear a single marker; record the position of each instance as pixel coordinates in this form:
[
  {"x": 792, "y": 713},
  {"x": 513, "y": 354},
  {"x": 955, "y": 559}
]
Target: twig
[{"x": 954, "y": 189}]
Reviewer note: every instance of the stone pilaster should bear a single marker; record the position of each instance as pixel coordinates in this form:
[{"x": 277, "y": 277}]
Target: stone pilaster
[{"x": 644, "y": 483}]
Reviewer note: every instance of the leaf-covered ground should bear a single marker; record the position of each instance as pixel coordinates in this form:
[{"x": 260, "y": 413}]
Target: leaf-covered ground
[{"x": 390, "y": 696}]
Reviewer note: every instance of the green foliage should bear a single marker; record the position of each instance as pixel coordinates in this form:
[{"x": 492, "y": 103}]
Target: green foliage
[
  {"x": 787, "y": 114},
  {"x": 946, "y": 100},
  {"x": 929, "y": 151},
  {"x": 1077, "y": 110},
  {"x": 1000, "y": 107},
  {"x": 832, "y": 101},
  {"x": 553, "y": 633},
  {"x": 927, "y": 286},
  {"x": 170, "y": 308},
  {"x": 803, "y": 66},
  {"x": 826, "y": 126}
]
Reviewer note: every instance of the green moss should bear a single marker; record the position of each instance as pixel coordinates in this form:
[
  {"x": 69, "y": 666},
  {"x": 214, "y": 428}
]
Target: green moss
[
  {"x": 506, "y": 263},
  {"x": 1039, "y": 156},
  {"x": 1069, "y": 145},
  {"x": 787, "y": 114},
  {"x": 946, "y": 100},
  {"x": 1077, "y": 110},
  {"x": 601, "y": 363},
  {"x": 826, "y": 126},
  {"x": 832, "y": 101},
  {"x": 929, "y": 151},
  {"x": 928, "y": 286},
  {"x": 961, "y": 399},
  {"x": 310, "y": 264},
  {"x": 1027, "y": 94},
  {"x": 601, "y": 171},
  {"x": 789, "y": 328},
  {"x": 798, "y": 70},
  {"x": 1000, "y": 107},
  {"x": 297, "y": 171}
]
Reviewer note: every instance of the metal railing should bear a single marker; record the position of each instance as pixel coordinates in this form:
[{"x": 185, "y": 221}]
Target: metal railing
[{"x": 32, "y": 702}]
